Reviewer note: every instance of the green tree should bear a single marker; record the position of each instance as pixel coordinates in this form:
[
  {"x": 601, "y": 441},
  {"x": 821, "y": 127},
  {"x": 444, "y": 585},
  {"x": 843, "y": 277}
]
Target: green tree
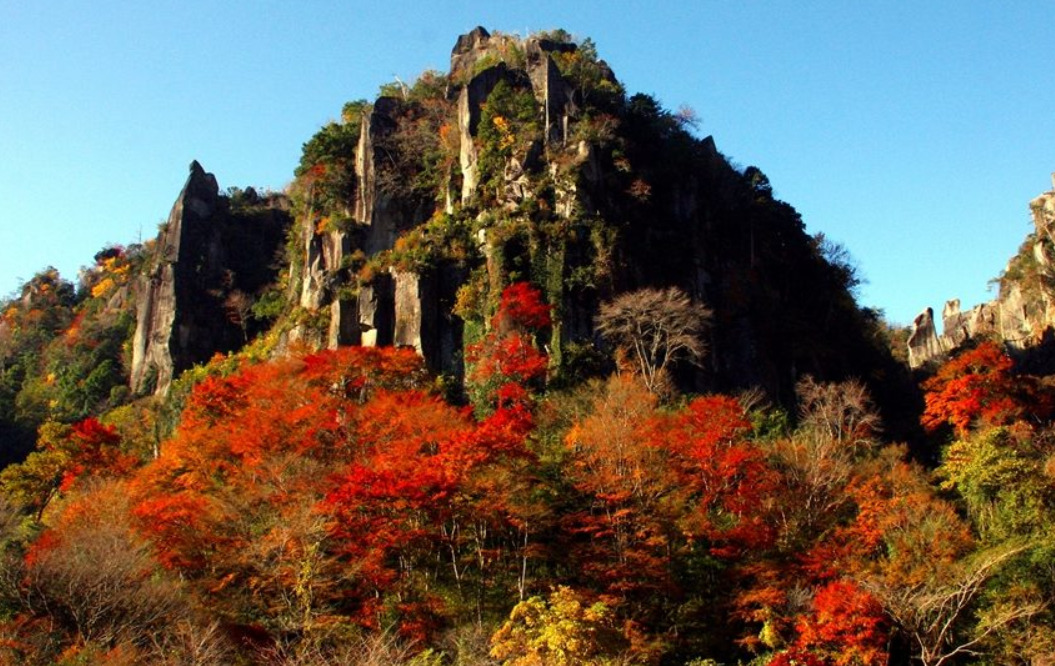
[{"x": 509, "y": 123}]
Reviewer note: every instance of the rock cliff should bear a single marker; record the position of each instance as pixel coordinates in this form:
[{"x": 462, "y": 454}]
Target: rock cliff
[
  {"x": 1023, "y": 313},
  {"x": 211, "y": 259},
  {"x": 527, "y": 161}
]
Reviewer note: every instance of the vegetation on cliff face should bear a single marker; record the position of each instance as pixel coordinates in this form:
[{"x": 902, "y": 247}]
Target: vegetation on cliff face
[
  {"x": 529, "y": 162},
  {"x": 651, "y": 425}
]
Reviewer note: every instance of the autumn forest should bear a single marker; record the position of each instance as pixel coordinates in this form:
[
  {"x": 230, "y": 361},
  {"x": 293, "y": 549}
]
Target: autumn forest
[{"x": 644, "y": 423}]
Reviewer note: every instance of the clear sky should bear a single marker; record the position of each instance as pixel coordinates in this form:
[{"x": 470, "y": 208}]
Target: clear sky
[{"x": 913, "y": 133}]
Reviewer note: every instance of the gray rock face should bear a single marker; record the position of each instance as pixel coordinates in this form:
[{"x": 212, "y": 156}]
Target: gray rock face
[
  {"x": 470, "y": 106},
  {"x": 1021, "y": 321},
  {"x": 1043, "y": 210},
  {"x": 955, "y": 325},
  {"x": 158, "y": 338},
  {"x": 640, "y": 203},
  {"x": 344, "y": 324},
  {"x": 380, "y": 216},
  {"x": 209, "y": 263},
  {"x": 377, "y": 312},
  {"x": 377, "y": 210},
  {"x": 323, "y": 257},
  {"x": 313, "y": 278},
  {"x": 554, "y": 93},
  {"x": 467, "y": 50},
  {"x": 423, "y": 307},
  {"x": 923, "y": 342},
  {"x": 540, "y": 73},
  {"x": 632, "y": 201},
  {"x": 414, "y": 309}
]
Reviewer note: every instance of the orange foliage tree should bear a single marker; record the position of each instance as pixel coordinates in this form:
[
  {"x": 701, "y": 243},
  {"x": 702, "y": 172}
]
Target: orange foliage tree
[
  {"x": 846, "y": 625},
  {"x": 94, "y": 449},
  {"x": 333, "y": 488},
  {"x": 659, "y": 487},
  {"x": 431, "y": 502},
  {"x": 728, "y": 476},
  {"x": 979, "y": 385},
  {"x": 89, "y": 582},
  {"x": 65, "y": 455},
  {"x": 631, "y": 501},
  {"x": 231, "y": 501}
]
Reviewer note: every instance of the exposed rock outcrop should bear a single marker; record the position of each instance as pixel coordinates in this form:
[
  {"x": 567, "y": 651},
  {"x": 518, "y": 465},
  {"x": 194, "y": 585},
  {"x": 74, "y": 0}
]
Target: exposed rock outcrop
[
  {"x": 159, "y": 343},
  {"x": 377, "y": 312},
  {"x": 923, "y": 341},
  {"x": 1021, "y": 315},
  {"x": 563, "y": 181},
  {"x": 423, "y": 307},
  {"x": 1043, "y": 210},
  {"x": 552, "y": 90},
  {"x": 470, "y": 104},
  {"x": 340, "y": 312},
  {"x": 469, "y": 48},
  {"x": 210, "y": 261},
  {"x": 390, "y": 309},
  {"x": 381, "y": 215}
]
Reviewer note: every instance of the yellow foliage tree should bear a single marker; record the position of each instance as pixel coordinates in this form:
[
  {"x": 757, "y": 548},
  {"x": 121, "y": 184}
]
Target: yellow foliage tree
[{"x": 561, "y": 630}]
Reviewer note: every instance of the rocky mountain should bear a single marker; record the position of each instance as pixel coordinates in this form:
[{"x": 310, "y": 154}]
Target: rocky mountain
[
  {"x": 528, "y": 161},
  {"x": 205, "y": 457},
  {"x": 1023, "y": 313}
]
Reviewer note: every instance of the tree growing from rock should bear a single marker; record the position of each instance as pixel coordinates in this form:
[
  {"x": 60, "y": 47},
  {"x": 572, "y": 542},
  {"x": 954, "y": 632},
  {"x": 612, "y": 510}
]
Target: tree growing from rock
[{"x": 656, "y": 328}]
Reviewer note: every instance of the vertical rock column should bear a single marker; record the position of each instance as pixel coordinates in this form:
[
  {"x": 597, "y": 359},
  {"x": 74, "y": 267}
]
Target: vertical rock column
[
  {"x": 923, "y": 342},
  {"x": 158, "y": 337}
]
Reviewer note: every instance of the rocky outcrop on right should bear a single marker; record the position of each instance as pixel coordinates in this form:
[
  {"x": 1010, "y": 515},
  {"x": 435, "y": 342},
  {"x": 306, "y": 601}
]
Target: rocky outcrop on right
[{"x": 1023, "y": 313}]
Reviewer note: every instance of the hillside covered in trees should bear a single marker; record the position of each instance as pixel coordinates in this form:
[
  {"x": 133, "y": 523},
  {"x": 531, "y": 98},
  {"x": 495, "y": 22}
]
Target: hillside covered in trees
[{"x": 518, "y": 370}]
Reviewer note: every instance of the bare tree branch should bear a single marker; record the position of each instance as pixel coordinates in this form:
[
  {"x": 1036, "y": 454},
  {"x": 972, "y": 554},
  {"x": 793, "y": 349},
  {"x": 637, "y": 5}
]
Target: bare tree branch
[
  {"x": 933, "y": 613},
  {"x": 657, "y": 327}
]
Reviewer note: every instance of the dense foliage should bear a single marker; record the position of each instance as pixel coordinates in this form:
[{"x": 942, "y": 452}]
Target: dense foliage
[
  {"x": 329, "y": 507},
  {"x": 64, "y": 350},
  {"x": 561, "y": 495}
]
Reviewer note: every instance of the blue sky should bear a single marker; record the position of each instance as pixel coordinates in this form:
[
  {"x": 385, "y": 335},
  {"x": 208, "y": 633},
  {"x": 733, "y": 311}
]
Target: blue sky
[{"x": 913, "y": 133}]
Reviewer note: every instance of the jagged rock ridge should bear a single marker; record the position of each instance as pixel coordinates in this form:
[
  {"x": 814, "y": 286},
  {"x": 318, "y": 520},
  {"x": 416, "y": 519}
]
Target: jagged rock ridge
[
  {"x": 527, "y": 161},
  {"x": 1022, "y": 314},
  {"x": 390, "y": 309},
  {"x": 550, "y": 173}
]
